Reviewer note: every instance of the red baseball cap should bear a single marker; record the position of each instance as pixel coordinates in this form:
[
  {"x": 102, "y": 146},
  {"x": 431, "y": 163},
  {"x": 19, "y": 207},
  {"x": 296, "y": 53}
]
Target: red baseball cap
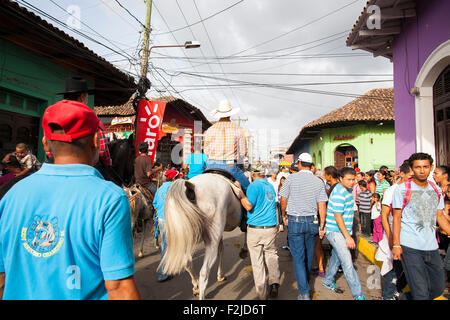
[
  {"x": 75, "y": 118},
  {"x": 171, "y": 173}
]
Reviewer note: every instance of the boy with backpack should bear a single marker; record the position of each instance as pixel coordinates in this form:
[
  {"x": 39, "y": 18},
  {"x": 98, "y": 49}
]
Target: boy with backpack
[{"x": 417, "y": 205}]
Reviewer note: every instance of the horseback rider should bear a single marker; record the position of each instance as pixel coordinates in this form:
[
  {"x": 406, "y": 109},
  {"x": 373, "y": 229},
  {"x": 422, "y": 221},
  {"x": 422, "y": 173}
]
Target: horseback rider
[
  {"x": 144, "y": 169},
  {"x": 225, "y": 144}
]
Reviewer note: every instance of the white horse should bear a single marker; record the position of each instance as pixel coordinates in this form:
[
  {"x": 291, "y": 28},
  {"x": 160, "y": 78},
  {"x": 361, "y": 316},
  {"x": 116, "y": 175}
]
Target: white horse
[
  {"x": 199, "y": 209},
  {"x": 140, "y": 203}
]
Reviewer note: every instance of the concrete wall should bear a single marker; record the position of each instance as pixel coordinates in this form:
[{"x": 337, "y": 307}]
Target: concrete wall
[
  {"x": 24, "y": 73},
  {"x": 420, "y": 36}
]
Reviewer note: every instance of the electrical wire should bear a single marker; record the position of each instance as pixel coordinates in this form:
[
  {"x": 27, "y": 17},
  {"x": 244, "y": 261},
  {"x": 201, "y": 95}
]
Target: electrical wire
[{"x": 200, "y": 21}]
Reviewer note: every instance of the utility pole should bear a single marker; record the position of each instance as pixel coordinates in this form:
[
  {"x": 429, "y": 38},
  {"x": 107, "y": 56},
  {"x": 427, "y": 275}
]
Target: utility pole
[
  {"x": 144, "y": 83},
  {"x": 241, "y": 119}
]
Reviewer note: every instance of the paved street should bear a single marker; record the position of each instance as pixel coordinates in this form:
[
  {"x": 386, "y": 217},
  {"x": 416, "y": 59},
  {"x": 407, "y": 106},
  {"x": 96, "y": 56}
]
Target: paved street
[{"x": 239, "y": 284}]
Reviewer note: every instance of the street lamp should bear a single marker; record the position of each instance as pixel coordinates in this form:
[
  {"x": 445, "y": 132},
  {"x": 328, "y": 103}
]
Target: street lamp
[
  {"x": 186, "y": 45},
  {"x": 144, "y": 83}
]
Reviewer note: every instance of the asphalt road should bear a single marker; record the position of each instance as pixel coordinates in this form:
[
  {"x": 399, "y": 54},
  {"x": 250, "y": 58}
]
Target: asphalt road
[{"x": 239, "y": 284}]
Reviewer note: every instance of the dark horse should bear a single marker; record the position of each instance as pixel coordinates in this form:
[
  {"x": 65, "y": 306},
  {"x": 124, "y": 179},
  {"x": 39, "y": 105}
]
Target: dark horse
[{"x": 123, "y": 153}]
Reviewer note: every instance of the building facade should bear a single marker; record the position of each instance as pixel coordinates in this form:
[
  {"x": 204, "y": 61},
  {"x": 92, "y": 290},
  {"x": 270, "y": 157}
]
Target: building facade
[
  {"x": 183, "y": 126},
  {"x": 34, "y": 64},
  {"x": 415, "y": 36},
  {"x": 359, "y": 134}
]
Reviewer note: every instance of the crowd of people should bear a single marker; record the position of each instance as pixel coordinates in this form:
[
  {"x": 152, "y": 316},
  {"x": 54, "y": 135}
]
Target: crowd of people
[
  {"x": 405, "y": 212},
  {"x": 342, "y": 204}
]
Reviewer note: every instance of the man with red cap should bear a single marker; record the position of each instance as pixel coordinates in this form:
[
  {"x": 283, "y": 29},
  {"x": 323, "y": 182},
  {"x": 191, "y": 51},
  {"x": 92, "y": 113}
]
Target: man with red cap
[
  {"x": 70, "y": 237},
  {"x": 158, "y": 204}
]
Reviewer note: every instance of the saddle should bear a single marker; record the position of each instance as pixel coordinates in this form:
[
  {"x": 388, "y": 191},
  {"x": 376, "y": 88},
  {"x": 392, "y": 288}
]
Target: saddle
[
  {"x": 222, "y": 172},
  {"x": 229, "y": 176},
  {"x": 146, "y": 192}
]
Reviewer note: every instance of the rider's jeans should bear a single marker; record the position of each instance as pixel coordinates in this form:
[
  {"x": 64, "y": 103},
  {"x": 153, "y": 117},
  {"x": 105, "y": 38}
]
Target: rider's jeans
[
  {"x": 340, "y": 255},
  {"x": 160, "y": 275},
  {"x": 233, "y": 169}
]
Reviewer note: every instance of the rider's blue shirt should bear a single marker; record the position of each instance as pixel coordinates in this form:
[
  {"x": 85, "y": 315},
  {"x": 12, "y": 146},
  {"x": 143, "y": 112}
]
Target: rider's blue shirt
[
  {"x": 63, "y": 231},
  {"x": 160, "y": 198},
  {"x": 262, "y": 197},
  {"x": 197, "y": 163}
]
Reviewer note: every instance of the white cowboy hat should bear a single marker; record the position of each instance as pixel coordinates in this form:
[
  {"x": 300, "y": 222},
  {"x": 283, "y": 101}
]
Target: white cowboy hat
[{"x": 224, "y": 110}]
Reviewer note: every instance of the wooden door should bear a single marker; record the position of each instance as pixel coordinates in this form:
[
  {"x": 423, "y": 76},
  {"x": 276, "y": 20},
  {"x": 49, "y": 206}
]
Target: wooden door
[
  {"x": 339, "y": 159},
  {"x": 441, "y": 102}
]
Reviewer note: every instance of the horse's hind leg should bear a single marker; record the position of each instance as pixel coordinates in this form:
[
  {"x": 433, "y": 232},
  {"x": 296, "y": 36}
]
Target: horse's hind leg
[
  {"x": 144, "y": 231},
  {"x": 189, "y": 268},
  {"x": 210, "y": 257},
  {"x": 220, "y": 276}
]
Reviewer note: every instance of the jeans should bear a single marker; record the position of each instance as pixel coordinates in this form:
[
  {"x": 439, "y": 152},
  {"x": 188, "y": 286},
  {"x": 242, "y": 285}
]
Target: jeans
[
  {"x": 340, "y": 256},
  {"x": 424, "y": 272},
  {"x": 390, "y": 285},
  {"x": 233, "y": 169},
  {"x": 160, "y": 275},
  {"x": 366, "y": 222},
  {"x": 301, "y": 233}
]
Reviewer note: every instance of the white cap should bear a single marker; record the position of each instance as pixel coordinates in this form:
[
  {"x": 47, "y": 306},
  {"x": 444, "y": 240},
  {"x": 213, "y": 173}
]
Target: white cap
[{"x": 305, "y": 157}]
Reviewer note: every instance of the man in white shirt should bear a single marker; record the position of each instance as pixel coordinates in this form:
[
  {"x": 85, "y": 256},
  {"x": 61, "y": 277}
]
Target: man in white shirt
[{"x": 384, "y": 252}]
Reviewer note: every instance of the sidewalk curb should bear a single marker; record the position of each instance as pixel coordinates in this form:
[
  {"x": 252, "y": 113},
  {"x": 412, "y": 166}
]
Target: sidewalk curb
[{"x": 369, "y": 250}]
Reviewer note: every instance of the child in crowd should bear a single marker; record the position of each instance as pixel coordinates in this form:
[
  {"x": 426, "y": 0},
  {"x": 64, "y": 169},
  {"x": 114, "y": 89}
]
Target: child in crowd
[
  {"x": 28, "y": 161},
  {"x": 376, "y": 218},
  {"x": 364, "y": 208}
]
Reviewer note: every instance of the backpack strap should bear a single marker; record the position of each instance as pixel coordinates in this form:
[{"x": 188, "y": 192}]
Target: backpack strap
[
  {"x": 408, "y": 192},
  {"x": 431, "y": 183},
  {"x": 407, "y": 195}
]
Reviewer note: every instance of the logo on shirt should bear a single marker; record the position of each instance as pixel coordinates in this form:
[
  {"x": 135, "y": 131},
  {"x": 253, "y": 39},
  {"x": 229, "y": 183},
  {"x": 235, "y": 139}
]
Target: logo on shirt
[
  {"x": 270, "y": 196},
  {"x": 42, "y": 238}
]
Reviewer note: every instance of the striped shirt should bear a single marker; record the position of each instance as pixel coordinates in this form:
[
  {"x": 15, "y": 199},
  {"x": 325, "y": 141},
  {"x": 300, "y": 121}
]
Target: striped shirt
[
  {"x": 303, "y": 191},
  {"x": 364, "y": 201},
  {"x": 381, "y": 187},
  {"x": 341, "y": 202},
  {"x": 225, "y": 141}
]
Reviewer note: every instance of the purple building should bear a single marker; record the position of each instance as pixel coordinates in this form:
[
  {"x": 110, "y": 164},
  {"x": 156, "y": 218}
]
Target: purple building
[{"x": 415, "y": 36}]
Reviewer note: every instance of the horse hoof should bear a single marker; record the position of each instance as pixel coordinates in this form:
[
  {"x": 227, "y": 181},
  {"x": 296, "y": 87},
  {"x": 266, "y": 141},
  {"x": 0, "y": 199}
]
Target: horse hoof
[
  {"x": 243, "y": 254},
  {"x": 196, "y": 293},
  {"x": 221, "y": 278},
  {"x": 140, "y": 255}
]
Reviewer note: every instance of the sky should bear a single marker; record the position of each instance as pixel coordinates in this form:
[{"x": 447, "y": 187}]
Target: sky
[{"x": 260, "y": 55}]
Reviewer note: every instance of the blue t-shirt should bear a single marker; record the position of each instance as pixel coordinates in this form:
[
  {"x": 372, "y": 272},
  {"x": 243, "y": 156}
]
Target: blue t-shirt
[
  {"x": 341, "y": 202},
  {"x": 63, "y": 231},
  {"x": 262, "y": 197},
  {"x": 197, "y": 163},
  {"x": 419, "y": 216},
  {"x": 160, "y": 198}
]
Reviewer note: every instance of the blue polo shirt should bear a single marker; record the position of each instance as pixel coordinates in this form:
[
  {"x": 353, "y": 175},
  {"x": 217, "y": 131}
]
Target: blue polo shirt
[
  {"x": 262, "y": 197},
  {"x": 63, "y": 231},
  {"x": 160, "y": 198}
]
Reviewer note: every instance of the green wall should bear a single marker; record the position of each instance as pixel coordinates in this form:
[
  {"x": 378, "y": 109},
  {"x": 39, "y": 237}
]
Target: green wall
[
  {"x": 375, "y": 145},
  {"x": 29, "y": 75}
]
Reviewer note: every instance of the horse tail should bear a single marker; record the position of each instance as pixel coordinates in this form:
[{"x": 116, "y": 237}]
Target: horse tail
[{"x": 185, "y": 226}]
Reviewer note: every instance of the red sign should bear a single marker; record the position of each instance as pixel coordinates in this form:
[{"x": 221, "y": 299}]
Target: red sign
[
  {"x": 150, "y": 116},
  {"x": 343, "y": 138}
]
